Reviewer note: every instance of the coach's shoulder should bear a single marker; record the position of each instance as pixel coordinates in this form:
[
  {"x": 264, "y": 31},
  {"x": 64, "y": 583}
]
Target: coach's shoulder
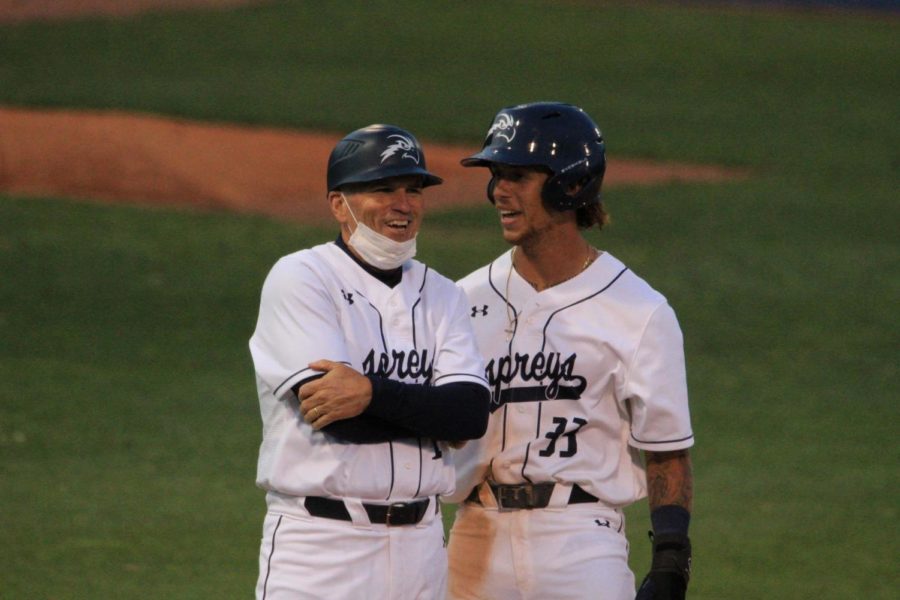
[
  {"x": 291, "y": 262},
  {"x": 294, "y": 268}
]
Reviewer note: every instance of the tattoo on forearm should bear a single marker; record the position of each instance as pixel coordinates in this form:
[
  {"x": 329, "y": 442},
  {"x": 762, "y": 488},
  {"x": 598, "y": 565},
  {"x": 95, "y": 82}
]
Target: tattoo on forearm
[{"x": 670, "y": 479}]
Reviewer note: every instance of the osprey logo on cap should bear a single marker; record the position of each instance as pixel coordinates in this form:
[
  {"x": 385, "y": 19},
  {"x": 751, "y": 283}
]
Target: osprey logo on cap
[
  {"x": 504, "y": 127},
  {"x": 402, "y": 144}
]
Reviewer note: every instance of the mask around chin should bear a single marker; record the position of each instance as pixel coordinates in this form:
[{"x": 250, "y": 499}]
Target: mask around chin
[{"x": 378, "y": 250}]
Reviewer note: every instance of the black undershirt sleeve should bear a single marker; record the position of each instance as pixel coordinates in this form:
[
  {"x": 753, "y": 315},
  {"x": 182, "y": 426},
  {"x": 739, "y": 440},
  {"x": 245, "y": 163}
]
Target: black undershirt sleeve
[
  {"x": 451, "y": 412},
  {"x": 364, "y": 429}
]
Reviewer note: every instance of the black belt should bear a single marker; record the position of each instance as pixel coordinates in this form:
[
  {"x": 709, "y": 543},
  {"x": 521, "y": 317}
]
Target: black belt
[
  {"x": 398, "y": 513},
  {"x": 529, "y": 495}
]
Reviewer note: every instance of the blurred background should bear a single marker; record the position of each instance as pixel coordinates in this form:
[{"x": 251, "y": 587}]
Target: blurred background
[{"x": 129, "y": 423}]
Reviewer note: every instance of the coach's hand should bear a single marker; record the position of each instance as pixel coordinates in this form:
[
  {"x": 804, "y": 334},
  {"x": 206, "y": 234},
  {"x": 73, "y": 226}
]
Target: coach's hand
[
  {"x": 670, "y": 571},
  {"x": 342, "y": 393}
]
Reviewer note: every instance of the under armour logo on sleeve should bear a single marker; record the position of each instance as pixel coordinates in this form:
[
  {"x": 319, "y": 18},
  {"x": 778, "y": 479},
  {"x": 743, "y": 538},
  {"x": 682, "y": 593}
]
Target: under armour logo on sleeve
[
  {"x": 348, "y": 296},
  {"x": 476, "y": 311}
]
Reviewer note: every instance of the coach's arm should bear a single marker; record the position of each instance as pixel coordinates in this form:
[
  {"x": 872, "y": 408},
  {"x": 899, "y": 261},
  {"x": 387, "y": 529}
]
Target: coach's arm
[{"x": 368, "y": 409}]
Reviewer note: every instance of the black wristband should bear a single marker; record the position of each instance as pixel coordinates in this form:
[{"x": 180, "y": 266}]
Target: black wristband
[{"x": 670, "y": 518}]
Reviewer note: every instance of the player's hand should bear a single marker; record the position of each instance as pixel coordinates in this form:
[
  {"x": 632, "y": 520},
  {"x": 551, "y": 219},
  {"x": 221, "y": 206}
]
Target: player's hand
[
  {"x": 670, "y": 571},
  {"x": 342, "y": 393}
]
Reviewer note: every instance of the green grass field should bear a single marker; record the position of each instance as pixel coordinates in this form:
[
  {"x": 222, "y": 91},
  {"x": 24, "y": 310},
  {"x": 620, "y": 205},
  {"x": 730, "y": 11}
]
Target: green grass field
[{"x": 128, "y": 415}]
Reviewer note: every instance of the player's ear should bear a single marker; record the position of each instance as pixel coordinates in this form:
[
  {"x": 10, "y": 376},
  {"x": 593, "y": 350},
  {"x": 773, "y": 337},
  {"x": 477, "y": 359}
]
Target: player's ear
[
  {"x": 338, "y": 207},
  {"x": 573, "y": 188}
]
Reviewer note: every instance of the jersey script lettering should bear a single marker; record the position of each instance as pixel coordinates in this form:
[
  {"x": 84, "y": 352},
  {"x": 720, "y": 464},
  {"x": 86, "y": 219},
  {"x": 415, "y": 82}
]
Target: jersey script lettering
[
  {"x": 538, "y": 367},
  {"x": 407, "y": 365}
]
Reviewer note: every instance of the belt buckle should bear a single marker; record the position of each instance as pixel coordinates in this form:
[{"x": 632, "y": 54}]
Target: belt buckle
[
  {"x": 389, "y": 514},
  {"x": 513, "y": 497}
]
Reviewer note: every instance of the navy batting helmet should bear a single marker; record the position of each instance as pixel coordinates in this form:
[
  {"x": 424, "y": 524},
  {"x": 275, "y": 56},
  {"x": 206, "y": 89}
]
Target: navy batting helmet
[
  {"x": 560, "y": 137},
  {"x": 377, "y": 152}
]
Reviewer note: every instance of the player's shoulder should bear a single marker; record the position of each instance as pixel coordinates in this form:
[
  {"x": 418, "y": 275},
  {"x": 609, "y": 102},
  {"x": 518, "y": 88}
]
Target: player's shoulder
[
  {"x": 480, "y": 280},
  {"x": 629, "y": 287},
  {"x": 428, "y": 278},
  {"x": 477, "y": 277}
]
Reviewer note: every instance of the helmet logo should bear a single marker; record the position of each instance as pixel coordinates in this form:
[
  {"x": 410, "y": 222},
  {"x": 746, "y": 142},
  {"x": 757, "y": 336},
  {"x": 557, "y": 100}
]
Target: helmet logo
[
  {"x": 504, "y": 127},
  {"x": 404, "y": 145},
  {"x": 586, "y": 162}
]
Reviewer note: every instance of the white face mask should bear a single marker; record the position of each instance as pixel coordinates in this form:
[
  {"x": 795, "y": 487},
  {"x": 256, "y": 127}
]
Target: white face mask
[{"x": 378, "y": 250}]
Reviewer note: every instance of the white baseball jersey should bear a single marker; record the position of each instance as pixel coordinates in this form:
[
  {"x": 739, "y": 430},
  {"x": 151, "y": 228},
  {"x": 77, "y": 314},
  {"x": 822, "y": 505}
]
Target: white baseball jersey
[
  {"x": 320, "y": 304},
  {"x": 582, "y": 375}
]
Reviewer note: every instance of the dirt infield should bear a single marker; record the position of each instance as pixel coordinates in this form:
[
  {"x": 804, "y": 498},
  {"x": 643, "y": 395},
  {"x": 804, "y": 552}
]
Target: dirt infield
[
  {"x": 121, "y": 157},
  {"x": 140, "y": 159},
  {"x": 30, "y": 10}
]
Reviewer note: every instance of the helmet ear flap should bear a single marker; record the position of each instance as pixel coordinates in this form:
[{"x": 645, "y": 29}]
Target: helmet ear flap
[
  {"x": 556, "y": 192},
  {"x": 490, "y": 188}
]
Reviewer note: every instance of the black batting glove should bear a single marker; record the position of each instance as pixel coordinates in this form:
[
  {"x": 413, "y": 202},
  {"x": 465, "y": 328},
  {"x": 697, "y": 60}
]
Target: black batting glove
[{"x": 671, "y": 568}]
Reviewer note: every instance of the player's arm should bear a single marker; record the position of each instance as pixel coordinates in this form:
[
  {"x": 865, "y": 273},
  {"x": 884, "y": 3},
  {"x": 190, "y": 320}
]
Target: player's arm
[
  {"x": 670, "y": 480},
  {"x": 670, "y": 490},
  {"x": 383, "y": 409}
]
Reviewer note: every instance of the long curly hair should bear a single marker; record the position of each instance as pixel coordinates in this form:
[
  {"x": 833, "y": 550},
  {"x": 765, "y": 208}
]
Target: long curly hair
[{"x": 592, "y": 215}]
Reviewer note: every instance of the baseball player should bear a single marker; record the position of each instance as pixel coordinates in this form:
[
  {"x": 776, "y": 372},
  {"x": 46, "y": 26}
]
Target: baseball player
[
  {"x": 586, "y": 369},
  {"x": 367, "y": 371}
]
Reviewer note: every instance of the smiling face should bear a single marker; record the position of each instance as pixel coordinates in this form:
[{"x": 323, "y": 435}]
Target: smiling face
[
  {"x": 393, "y": 207},
  {"x": 517, "y": 198}
]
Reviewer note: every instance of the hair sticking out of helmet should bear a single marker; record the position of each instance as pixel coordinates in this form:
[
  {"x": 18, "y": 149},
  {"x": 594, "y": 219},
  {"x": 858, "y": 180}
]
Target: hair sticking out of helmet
[
  {"x": 557, "y": 136},
  {"x": 377, "y": 152}
]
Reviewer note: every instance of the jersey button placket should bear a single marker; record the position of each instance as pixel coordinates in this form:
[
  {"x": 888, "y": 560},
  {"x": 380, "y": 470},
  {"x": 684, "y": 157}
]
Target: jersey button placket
[
  {"x": 532, "y": 335},
  {"x": 531, "y": 314}
]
